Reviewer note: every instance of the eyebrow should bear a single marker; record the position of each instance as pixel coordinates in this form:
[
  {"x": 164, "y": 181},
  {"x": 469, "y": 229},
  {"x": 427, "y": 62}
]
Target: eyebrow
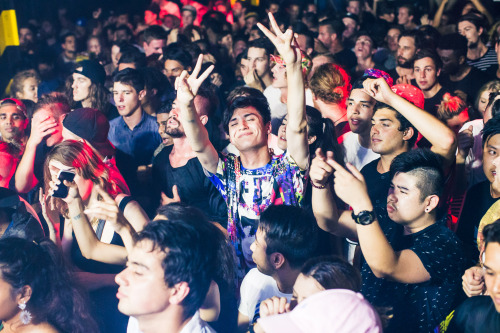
[
  {"x": 402, "y": 188},
  {"x": 382, "y": 119},
  {"x": 490, "y": 146},
  {"x": 135, "y": 263}
]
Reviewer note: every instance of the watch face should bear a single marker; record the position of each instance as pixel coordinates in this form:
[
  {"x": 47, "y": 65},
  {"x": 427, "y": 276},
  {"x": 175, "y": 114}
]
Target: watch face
[{"x": 365, "y": 218}]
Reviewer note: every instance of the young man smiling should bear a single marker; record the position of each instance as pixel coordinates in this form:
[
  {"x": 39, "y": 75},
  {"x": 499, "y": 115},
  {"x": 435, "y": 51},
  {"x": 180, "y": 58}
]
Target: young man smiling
[{"x": 256, "y": 179}]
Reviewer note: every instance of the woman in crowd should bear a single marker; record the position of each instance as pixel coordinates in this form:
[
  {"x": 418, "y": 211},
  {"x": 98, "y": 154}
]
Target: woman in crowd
[
  {"x": 93, "y": 229},
  {"x": 38, "y": 291},
  {"x": 25, "y": 85}
]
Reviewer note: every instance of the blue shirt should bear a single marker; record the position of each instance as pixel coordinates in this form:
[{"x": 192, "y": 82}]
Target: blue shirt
[{"x": 139, "y": 143}]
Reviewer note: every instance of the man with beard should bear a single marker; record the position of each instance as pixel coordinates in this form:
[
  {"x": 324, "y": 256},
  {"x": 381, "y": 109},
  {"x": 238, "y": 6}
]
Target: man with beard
[
  {"x": 408, "y": 45},
  {"x": 478, "y": 54},
  {"x": 177, "y": 172},
  {"x": 456, "y": 74}
]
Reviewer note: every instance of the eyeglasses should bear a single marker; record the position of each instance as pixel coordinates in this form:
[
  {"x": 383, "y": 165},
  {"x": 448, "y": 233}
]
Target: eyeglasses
[{"x": 19, "y": 105}]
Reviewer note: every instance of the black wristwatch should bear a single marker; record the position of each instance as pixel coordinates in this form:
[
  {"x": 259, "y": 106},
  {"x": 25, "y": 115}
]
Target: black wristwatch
[{"x": 364, "y": 217}]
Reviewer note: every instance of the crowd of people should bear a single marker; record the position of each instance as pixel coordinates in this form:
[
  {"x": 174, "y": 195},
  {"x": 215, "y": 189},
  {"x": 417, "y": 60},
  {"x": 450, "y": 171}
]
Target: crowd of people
[{"x": 282, "y": 166}]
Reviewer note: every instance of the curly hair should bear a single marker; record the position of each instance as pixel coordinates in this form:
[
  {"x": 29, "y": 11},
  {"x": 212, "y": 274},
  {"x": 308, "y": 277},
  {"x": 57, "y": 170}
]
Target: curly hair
[
  {"x": 55, "y": 298},
  {"x": 331, "y": 84}
]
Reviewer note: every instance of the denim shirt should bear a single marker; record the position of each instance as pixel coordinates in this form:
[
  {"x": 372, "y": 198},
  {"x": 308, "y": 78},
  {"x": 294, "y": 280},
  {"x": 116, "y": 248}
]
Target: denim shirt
[{"x": 139, "y": 143}]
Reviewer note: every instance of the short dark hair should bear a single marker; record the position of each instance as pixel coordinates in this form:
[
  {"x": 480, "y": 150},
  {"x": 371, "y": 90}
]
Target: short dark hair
[
  {"x": 131, "y": 77},
  {"x": 132, "y": 55},
  {"x": 415, "y": 34},
  {"x": 186, "y": 258},
  {"x": 366, "y": 33},
  {"x": 335, "y": 26},
  {"x": 491, "y": 233},
  {"x": 125, "y": 28},
  {"x": 245, "y": 97},
  {"x": 404, "y": 123},
  {"x": 291, "y": 231},
  {"x": 455, "y": 42},
  {"x": 262, "y": 43},
  {"x": 491, "y": 128},
  {"x": 175, "y": 52},
  {"x": 426, "y": 166},
  {"x": 428, "y": 53},
  {"x": 66, "y": 35},
  {"x": 154, "y": 32},
  {"x": 477, "y": 19},
  {"x": 411, "y": 9},
  {"x": 332, "y": 272}
]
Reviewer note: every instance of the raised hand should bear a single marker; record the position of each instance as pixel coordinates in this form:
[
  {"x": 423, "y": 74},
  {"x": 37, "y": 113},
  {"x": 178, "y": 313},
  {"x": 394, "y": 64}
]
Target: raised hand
[
  {"x": 378, "y": 89},
  {"x": 106, "y": 209},
  {"x": 73, "y": 193},
  {"x": 321, "y": 169},
  {"x": 165, "y": 200},
  {"x": 473, "y": 281},
  {"x": 187, "y": 85},
  {"x": 465, "y": 141},
  {"x": 253, "y": 80},
  {"x": 41, "y": 128},
  {"x": 284, "y": 42},
  {"x": 350, "y": 186},
  {"x": 50, "y": 214}
]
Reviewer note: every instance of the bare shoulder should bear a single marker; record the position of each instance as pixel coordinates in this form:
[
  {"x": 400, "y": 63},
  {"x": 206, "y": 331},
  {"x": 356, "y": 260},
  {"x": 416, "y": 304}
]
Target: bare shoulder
[{"x": 41, "y": 328}]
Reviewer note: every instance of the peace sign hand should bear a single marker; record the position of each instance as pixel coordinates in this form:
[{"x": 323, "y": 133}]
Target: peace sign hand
[
  {"x": 187, "y": 85},
  {"x": 284, "y": 42}
]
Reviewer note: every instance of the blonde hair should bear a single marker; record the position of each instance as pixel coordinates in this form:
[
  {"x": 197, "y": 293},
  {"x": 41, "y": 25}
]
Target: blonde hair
[
  {"x": 18, "y": 81},
  {"x": 331, "y": 84}
]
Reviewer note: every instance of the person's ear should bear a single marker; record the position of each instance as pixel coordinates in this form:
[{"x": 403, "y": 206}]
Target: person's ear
[
  {"x": 179, "y": 292},
  {"x": 142, "y": 94},
  {"x": 431, "y": 202},
  {"x": 438, "y": 72},
  {"x": 269, "y": 127},
  {"x": 408, "y": 133},
  {"x": 204, "y": 119},
  {"x": 277, "y": 260},
  {"x": 24, "y": 295}
]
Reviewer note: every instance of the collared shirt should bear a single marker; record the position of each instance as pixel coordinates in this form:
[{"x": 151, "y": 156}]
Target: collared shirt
[{"x": 139, "y": 143}]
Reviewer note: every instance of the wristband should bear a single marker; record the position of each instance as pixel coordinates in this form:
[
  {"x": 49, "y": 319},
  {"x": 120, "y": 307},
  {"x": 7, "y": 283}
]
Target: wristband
[{"x": 320, "y": 187}]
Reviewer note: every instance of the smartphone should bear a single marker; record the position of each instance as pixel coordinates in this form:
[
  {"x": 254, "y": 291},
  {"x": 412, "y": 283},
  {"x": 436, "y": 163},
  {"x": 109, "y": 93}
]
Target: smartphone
[{"x": 62, "y": 190}]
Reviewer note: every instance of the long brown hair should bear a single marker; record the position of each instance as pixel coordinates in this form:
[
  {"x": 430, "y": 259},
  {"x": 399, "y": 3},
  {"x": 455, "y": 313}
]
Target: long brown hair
[{"x": 87, "y": 164}]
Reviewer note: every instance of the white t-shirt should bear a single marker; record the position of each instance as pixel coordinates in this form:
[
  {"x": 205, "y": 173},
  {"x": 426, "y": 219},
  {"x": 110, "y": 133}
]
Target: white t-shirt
[
  {"x": 255, "y": 288},
  {"x": 278, "y": 109},
  {"x": 474, "y": 161},
  {"x": 356, "y": 154},
  {"x": 195, "y": 325}
]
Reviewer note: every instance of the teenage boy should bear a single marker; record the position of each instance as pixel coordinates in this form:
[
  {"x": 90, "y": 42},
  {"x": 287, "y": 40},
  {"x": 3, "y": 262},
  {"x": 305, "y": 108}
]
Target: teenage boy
[
  {"x": 479, "y": 55},
  {"x": 481, "y": 196},
  {"x": 134, "y": 133},
  {"x": 426, "y": 70},
  {"x": 286, "y": 237},
  {"x": 411, "y": 262},
  {"x": 482, "y": 313},
  {"x": 259, "y": 75},
  {"x": 155, "y": 39},
  {"x": 46, "y": 132},
  {"x": 256, "y": 179},
  {"x": 166, "y": 279}
]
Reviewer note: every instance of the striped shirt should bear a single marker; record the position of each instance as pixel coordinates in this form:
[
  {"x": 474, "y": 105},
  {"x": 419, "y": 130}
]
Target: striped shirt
[{"x": 488, "y": 60}]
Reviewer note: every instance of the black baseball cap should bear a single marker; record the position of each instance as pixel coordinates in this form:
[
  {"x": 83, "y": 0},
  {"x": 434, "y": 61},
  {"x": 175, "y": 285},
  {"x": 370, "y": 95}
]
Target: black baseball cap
[
  {"x": 91, "y": 69},
  {"x": 92, "y": 126}
]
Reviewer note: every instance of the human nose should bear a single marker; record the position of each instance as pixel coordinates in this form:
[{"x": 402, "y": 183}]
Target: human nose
[
  {"x": 121, "y": 278},
  {"x": 422, "y": 74},
  {"x": 252, "y": 63}
]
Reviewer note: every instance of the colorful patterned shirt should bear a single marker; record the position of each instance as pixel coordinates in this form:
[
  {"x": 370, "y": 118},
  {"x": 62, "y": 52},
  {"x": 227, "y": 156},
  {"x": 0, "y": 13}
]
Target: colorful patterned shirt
[{"x": 248, "y": 192}]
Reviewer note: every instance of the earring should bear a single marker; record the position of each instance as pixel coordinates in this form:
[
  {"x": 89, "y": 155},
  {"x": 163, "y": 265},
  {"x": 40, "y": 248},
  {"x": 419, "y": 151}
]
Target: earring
[
  {"x": 427, "y": 210},
  {"x": 25, "y": 314}
]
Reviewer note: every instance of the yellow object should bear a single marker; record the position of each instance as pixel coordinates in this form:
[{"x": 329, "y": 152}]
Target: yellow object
[{"x": 8, "y": 29}]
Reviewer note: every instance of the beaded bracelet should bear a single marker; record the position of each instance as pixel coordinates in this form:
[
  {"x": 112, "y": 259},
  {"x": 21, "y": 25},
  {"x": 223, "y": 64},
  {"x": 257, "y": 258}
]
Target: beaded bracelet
[{"x": 318, "y": 187}]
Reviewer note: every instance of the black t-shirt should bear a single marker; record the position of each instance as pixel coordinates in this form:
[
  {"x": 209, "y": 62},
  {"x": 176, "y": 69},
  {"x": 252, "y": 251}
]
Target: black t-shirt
[
  {"x": 475, "y": 315},
  {"x": 431, "y": 104},
  {"x": 345, "y": 58},
  {"x": 477, "y": 202},
  {"x": 377, "y": 183},
  {"x": 193, "y": 186},
  {"x": 418, "y": 307},
  {"x": 469, "y": 85}
]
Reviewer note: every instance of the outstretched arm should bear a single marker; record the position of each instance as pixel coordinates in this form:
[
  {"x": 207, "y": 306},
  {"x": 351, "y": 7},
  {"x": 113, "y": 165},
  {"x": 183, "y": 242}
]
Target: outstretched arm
[
  {"x": 439, "y": 14},
  {"x": 187, "y": 86},
  {"x": 91, "y": 247},
  {"x": 325, "y": 210},
  {"x": 404, "y": 266},
  {"x": 296, "y": 128},
  {"x": 441, "y": 137}
]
